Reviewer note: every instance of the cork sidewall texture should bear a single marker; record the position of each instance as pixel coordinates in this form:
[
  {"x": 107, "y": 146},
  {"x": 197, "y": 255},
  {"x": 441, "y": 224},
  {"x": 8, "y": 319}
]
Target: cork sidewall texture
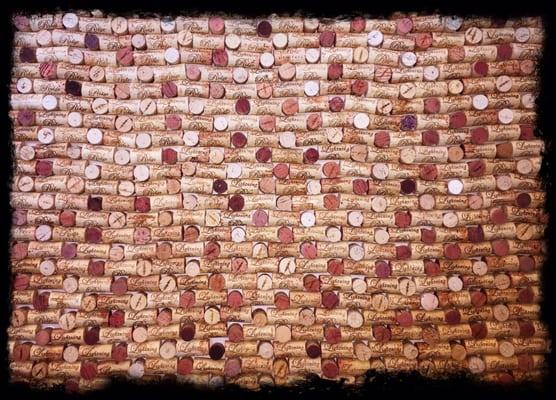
[{"x": 251, "y": 201}]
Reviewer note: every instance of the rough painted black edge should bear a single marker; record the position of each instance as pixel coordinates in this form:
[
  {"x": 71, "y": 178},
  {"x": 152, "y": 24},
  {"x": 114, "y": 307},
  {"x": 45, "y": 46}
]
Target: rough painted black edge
[{"x": 409, "y": 385}]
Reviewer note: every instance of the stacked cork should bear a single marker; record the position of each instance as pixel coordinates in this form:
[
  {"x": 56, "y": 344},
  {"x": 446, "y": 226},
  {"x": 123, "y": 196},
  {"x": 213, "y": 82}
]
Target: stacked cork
[{"x": 252, "y": 201}]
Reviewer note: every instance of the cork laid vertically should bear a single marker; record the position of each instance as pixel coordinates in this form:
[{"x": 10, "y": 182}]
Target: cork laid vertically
[{"x": 249, "y": 201}]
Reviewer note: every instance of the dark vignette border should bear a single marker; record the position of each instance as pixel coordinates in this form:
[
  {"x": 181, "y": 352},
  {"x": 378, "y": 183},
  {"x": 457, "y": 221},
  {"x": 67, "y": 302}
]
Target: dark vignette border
[{"x": 408, "y": 385}]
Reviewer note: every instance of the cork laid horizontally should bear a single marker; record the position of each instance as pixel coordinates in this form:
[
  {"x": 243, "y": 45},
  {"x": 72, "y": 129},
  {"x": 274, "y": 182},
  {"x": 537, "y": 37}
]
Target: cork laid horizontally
[{"x": 250, "y": 201}]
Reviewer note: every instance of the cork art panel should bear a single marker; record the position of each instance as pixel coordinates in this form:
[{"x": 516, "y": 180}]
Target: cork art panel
[{"x": 249, "y": 201}]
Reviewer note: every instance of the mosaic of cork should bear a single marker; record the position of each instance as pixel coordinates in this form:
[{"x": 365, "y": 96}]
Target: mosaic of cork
[{"x": 251, "y": 201}]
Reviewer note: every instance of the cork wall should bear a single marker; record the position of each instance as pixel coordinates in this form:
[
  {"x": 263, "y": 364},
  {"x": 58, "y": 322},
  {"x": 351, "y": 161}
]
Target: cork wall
[{"x": 250, "y": 201}]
